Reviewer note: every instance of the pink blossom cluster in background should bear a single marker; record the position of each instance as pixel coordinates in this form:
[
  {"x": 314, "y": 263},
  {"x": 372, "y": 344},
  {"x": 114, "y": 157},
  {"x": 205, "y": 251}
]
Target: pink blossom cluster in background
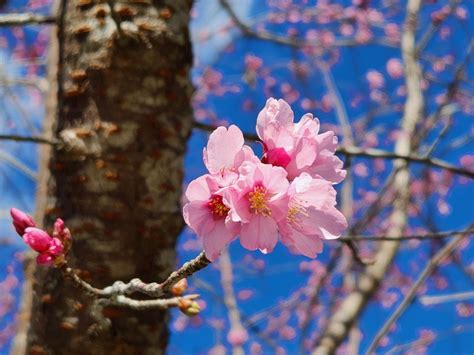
[
  {"x": 287, "y": 194},
  {"x": 50, "y": 250}
]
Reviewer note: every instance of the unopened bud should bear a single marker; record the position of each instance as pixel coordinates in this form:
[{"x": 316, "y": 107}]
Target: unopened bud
[
  {"x": 21, "y": 221},
  {"x": 179, "y": 287},
  {"x": 63, "y": 234},
  {"x": 189, "y": 307}
]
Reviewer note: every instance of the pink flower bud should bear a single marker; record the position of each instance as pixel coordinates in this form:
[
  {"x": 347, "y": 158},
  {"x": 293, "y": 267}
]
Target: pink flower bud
[
  {"x": 253, "y": 63},
  {"x": 237, "y": 337},
  {"x": 375, "y": 79},
  {"x": 395, "y": 68},
  {"x": 277, "y": 157},
  {"x": 50, "y": 249},
  {"x": 44, "y": 259},
  {"x": 62, "y": 233},
  {"x": 56, "y": 247},
  {"x": 21, "y": 221},
  {"x": 37, "y": 239},
  {"x": 59, "y": 226}
]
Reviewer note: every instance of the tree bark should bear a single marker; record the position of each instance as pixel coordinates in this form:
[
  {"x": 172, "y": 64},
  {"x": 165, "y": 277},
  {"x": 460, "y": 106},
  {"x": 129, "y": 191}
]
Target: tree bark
[{"x": 123, "y": 111}]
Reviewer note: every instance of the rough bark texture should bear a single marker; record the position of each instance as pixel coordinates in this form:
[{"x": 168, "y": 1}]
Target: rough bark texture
[{"x": 124, "y": 113}]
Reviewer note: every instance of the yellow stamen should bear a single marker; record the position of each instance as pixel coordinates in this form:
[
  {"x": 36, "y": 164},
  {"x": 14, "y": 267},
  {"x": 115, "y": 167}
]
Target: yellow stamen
[
  {"x": 217, "y": 206},
  {"x": 296, "y": 213},
  {"x": 258, "y": 199}
]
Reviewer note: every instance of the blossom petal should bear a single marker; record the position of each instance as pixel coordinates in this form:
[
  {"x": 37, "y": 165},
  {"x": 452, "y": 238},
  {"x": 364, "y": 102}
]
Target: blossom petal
[
  {"x": 222, "y": 148},
  {"x": 299, "y": 243},
  {"x": 307, "y": 126},
  {"x": 260, "y": 233},
  {"x": 216, "y": 240},
  {"x": 37, "y": 239},
  {"x": 331, "y": 222},
  {"x": 275, "y": 113},
  {"x": 330, "y": 168},
  {"x": 199, "y": 189},
  {"x": 198, "y": 217}
]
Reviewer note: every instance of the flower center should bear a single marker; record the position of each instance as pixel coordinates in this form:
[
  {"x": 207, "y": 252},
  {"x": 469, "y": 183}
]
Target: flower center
[
  {"x": 296, "y": 213},
  {"x": 258, "y": 199},
  {"x": 217, "y": 206}
]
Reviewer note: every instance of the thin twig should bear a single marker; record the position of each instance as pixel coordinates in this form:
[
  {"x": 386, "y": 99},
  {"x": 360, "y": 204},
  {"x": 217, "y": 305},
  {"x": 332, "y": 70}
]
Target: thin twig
[
  {"x": 188, "y": 268},
  {"x": 348, "y": 138},
  {"x": 26, "y": 19},
  {"x": 140, "y": 305},
  {"x": 32, "y": 139},
  {"x": 433, "y": 27},
  {"x": 292, "y": 42},
  {"x": 429, "y": 268},
  {"x": 372, "y": 153},
  {"x": 209, "y": 128},
  {"x": 313, "y": 298},
  {"x": 430, "y": 236},
  {"x": 401, "y": 348},
  {"x": 85, "y": 286},
  {"x": 349, "y": 309},
  {"x": 13, "y": 161},
  {"x": 136, "y": 285},
  {"x": 454, "y": 297},
  {"x": 229, "y": 298}
]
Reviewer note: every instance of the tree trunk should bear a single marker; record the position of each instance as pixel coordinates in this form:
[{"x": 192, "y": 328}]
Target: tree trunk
[{"x": 123, "y": 111}]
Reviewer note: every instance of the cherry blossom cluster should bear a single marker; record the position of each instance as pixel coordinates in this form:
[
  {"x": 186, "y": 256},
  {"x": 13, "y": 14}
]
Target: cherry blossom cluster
[
  {"x": 51, "y": 249},
  {"x": 286, "y": 195}
]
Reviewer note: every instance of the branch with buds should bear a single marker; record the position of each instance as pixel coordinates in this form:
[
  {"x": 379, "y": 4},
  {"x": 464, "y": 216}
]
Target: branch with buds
[{"x": 52, "y": 251}]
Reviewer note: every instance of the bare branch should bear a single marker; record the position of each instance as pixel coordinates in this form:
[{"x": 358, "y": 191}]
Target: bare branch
[
  {"x": 422, "y": 341},
  {"x": 454, "y": 297},
  {"x": 71, "y": 275},
  {"x": 188, "y": 268},
  {"x": 229, "y": 298},
  {"x": 136, "y": 285},
  {"x": 292, "y": 42},
  {"x": 348, "y": 311},
  {"x": 158, "y": 289},
  {"x": 32, "y": 139},
  {"x": 209, "y": 128},
  {"x": 373, "y": 153},
  {"x": 433, "y": 27},
  {"x": 430, "y": 236},
  {"x": 13, "y": 161},
  {"x": 313, "y": 297},
  {"x": 26, "y": 19},
  {"x": 140, "y": 305},
  {"x": 429, "y": 268},
  {"x": 341, "y": 112}
]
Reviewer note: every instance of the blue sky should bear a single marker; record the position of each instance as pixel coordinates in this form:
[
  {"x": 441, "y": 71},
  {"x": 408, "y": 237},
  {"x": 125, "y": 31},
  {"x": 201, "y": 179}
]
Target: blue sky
[{"x": 225, "y": 52}]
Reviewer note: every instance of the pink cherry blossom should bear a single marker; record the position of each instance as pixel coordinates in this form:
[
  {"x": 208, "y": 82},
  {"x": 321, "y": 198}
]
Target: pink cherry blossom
[
  {"x": 312, "y": 216},
  {"x": 395, "y": 68},
  {"x": 258, "y": 201},
  {"x": 225, "y": 152},
  {"x": 297, "y": 147},
  {"x": 375, "y": 79},
  {"x": 252, "y": 62},
  {"x": 207, "y": 215},
  {"x": 48, "y": 248},
  {"x": 237, "y": 336},
  {"x": 21, "y": 221}
]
